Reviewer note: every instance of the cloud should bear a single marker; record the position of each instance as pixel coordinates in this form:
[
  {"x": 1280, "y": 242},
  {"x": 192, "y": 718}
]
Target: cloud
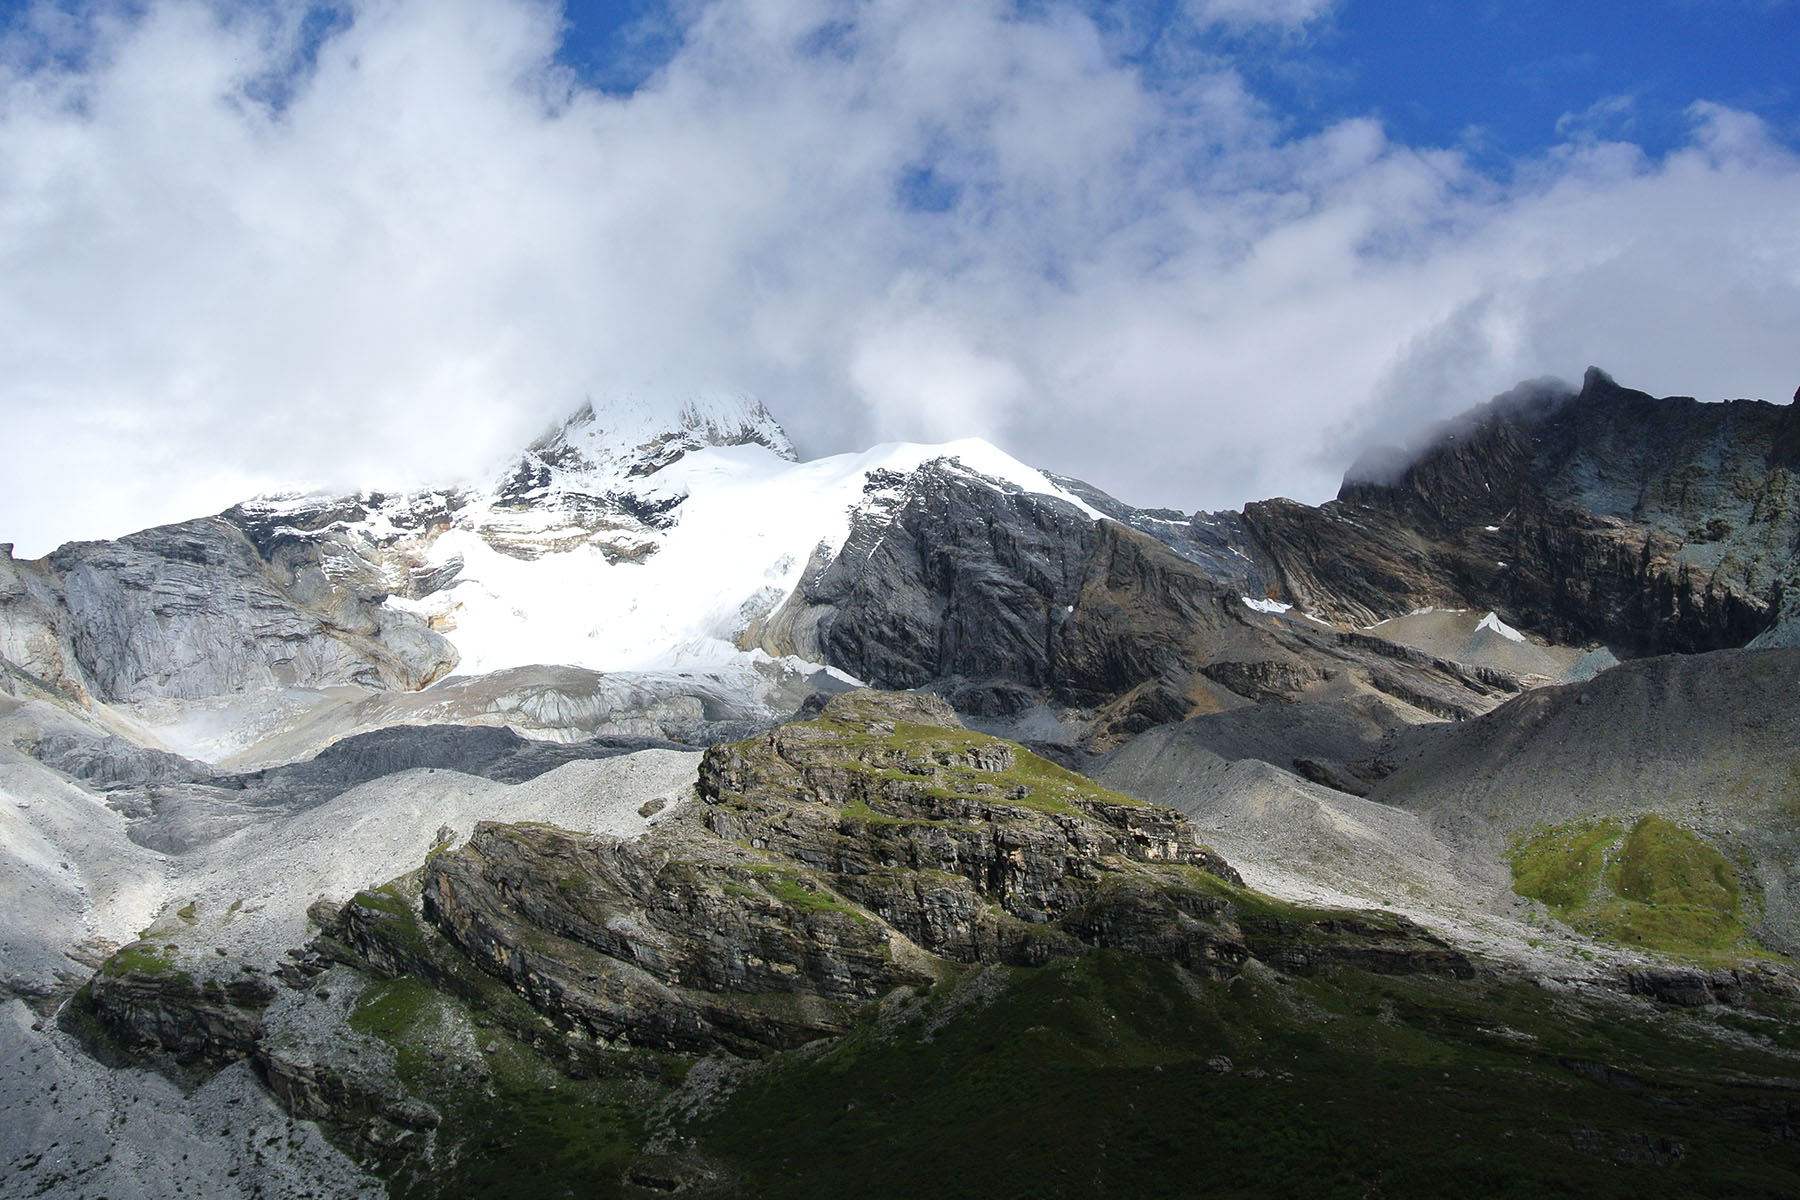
[
  {"x": 242, "y": 248},
  {"x": 1675, "y": 275},
  {"x": 1241, "y": 14},
  {"x": 1608, "y": 115}
]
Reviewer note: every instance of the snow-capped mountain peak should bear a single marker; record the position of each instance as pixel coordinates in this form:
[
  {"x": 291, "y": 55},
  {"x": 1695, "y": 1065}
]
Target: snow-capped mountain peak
[
  {"x": 622, "y": 539},
  {"x": 727, "y": 533},
  {"x": 628, "y": 436}
]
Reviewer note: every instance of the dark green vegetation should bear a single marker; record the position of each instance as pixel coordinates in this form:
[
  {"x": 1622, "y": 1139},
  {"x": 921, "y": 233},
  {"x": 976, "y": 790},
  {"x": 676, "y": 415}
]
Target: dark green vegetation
[
  {"x": 142, "y": 958},
  {"x": 1114, "y": 1075},
  {"x": 523, "y": 1118},
  {"x": 520, "y": 1111},
  {"x": 1111, "y": 1074},
  {"x": 1652, "y": 884}
]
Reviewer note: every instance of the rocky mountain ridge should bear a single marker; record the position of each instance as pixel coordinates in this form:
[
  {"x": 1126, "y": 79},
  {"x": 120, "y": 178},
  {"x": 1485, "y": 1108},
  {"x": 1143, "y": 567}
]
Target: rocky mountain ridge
[
  {"x": 1048, "y": 598},
  {"x": 1401, "y": 717},
  {"x": 1531, "y": 508},
  {"x": 818, "y": 869},
  {"x": 1607, "y": 515}
]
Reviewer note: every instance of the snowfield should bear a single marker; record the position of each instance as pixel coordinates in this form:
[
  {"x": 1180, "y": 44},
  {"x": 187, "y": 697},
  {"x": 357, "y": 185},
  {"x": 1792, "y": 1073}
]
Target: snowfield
[{"x": 746, "y": 524}]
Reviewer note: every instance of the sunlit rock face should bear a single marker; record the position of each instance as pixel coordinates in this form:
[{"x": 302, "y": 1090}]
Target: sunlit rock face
[{"x": 192, "y": 610}]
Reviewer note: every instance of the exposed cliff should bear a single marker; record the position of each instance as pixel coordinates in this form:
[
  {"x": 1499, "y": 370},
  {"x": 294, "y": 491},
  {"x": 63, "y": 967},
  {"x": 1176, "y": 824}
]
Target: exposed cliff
[
  {"x": 1002, "y": 599},
  {"x": 1652, "y": 525},
  {"x": 192, "y": 611}
]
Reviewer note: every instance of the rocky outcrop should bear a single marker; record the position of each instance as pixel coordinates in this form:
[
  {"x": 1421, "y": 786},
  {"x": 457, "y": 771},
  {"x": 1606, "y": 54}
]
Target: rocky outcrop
[
  {"x": 366, "y": 1111},
  {"x": 673, "y": 942},
  {"x": 143, "y": 1003},
  {"x": 972, "y": 847},
  {"x": 1692, "y": 987},
  {"x": 830, "y": 862}
]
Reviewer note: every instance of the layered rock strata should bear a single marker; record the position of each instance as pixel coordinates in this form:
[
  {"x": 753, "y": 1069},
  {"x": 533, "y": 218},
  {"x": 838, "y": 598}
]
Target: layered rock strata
[{"x": 832, "y": 861}]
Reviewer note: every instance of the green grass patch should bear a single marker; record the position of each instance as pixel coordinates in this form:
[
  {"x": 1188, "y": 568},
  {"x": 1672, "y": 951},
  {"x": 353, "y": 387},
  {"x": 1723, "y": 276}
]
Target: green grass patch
[
  {"x": 400, "y": 1012},
  {"x": 935, "y": 757},
  {"x": 1662, "y": 863},
  {"x": 388, "y": 899},
  {"x": 859, "y": 810},
  {"x": 1653, "y": 884},
  {"x": 142, "y": 958},
  {"x": 797, "y": 891},
  {"x": 1561, "y": 865}
]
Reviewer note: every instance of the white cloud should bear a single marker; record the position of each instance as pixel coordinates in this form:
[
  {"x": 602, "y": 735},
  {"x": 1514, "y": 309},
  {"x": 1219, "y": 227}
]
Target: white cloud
[
  {"x": 934, "y": 387},
  {"x": 441, "y": 242},
  {"x": 1609, "y": 115},
  {"x": 1243, "y": 13}
]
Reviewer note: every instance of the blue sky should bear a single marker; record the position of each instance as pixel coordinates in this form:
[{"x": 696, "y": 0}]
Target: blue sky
[
  {"x": 1503, "y": 77},
  {"x": 1196, "y": 251}
]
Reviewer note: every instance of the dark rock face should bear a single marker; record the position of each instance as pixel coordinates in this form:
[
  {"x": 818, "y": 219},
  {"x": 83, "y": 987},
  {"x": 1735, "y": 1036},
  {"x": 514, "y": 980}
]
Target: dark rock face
[
  {"x": 169, "y": 1016},
  {"x": 1653, "y": 525},
  {"x": 113, "y": 762},
  {"x": 364, "y": 1113},
  {"x": 1213, "y": 541},
  {"x": 998, "y": 598},
  {"x": 664, "y": 942},
  {"x": 949, "y": 576},
  {"x": 1690, "y": 987}
]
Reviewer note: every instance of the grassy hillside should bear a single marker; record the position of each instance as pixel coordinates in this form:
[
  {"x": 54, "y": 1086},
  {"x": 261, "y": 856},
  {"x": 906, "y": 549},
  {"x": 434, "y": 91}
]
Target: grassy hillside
[{"x": 1114, "y": 1076}]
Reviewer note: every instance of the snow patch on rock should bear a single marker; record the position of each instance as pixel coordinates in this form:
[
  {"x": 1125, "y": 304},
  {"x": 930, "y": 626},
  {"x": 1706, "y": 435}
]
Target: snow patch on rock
[{"x": 1493, "y": 623}]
